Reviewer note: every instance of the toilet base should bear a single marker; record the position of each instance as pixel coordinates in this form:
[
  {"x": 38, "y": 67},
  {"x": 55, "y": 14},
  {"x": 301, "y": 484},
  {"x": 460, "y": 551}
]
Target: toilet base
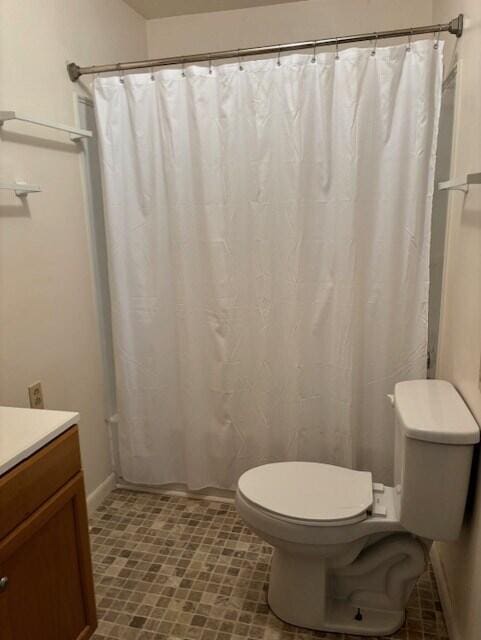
[
  {"x": 365, "y": 595},
  {"x": 341, "y": 618}
]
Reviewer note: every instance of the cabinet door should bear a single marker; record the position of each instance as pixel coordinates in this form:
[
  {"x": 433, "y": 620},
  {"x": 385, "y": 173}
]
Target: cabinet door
[{"x": 46, "y": 561}]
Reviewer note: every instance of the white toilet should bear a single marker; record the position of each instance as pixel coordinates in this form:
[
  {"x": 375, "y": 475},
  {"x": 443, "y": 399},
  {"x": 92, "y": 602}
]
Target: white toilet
[{"x": 348, "y": 551}]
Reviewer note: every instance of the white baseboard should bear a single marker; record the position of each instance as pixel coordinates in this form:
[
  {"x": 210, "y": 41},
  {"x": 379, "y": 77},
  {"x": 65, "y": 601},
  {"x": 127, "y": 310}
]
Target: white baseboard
[
  {"x": 444, "y": 594},
  {"x": 176, "y": 489},
  {"x": 98, "y": 495}
]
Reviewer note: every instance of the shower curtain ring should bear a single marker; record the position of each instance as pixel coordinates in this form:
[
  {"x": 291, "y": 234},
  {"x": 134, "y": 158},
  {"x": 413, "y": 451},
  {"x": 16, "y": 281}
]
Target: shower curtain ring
[
  {"x": 239, "y": 60},
  {"x": 210, "y": 66},
  {"x": 183, "y": 68},
  {"x": 436, "y": 43},
  {"x": 121, "y": 73},
  {"x": 410, "y": 37},
  {"x": 314, "y": 57},
  {"x": 279, "y": 57},
  {"x": 337, "y": 49},
  {"x": 152, "y": 73},
  {"x": 373, "y": 52}
]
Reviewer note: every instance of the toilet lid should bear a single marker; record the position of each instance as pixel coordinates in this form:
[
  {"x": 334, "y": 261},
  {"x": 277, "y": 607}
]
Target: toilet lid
[{"x": 309, "y": 491}]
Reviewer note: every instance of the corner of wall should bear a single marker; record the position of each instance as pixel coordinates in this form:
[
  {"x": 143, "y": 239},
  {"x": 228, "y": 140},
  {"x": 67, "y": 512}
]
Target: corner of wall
[
  {"x": 444, "y": 593},
  {"x": 98, "y": 495}
]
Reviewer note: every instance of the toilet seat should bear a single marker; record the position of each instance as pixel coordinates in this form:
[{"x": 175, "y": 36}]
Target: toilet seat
[{"x": 309, "y": 492}]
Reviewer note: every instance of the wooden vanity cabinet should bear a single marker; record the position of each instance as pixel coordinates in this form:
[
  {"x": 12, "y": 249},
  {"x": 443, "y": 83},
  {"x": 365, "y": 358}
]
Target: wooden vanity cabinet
[{"x": 46, "y": 583}]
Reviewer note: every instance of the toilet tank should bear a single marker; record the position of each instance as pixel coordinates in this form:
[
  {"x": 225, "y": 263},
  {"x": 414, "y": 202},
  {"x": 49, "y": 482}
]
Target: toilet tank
[{"x": 434, "y": 441}]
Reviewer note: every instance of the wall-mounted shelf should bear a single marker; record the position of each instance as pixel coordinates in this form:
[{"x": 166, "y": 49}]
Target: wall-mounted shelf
[
  {"x": 21, "y": 189},
  {"x": 460, "y": 184},
  {"x": 75, "y": 132}
]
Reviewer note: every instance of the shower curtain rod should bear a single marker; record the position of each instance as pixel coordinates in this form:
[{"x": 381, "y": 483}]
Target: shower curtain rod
[{"x": 455, "y": 27}]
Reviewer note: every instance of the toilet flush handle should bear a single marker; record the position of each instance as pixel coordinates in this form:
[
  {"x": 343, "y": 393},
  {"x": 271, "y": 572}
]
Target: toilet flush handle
[{"x": 390, "y": 397}]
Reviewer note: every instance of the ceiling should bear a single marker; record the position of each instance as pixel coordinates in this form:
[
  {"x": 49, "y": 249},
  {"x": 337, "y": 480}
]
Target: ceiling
[{"x": 164, "y": 8}]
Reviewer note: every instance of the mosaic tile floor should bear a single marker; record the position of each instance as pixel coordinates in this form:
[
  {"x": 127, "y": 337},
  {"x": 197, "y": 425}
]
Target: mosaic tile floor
[{"x": 183, "y": 569}]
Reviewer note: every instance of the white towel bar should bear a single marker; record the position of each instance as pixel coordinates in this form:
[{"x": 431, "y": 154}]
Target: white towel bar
[
  {"x": 21, "y": 189},
  {"x": 460, "y": 184}
]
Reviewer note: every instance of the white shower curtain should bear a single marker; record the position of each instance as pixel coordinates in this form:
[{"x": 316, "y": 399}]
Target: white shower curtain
[{"x": 268, "y": 233}]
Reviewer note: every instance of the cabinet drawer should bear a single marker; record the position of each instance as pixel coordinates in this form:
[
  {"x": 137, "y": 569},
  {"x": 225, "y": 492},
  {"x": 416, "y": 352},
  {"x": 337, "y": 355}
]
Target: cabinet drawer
[{"x": 35, "y": 480}]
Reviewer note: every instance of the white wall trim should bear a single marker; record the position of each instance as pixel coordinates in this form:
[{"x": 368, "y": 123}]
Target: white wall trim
[
  {"x": 453, "y": 204},
  {"x": 98, "y": 495},
  {"x": 444, "y": 594},
  {"x": 178, "y": 489}
]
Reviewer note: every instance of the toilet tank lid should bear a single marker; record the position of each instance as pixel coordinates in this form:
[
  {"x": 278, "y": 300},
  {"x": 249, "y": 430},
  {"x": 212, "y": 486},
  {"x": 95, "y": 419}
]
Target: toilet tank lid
[{"x": 433, "y": 411}]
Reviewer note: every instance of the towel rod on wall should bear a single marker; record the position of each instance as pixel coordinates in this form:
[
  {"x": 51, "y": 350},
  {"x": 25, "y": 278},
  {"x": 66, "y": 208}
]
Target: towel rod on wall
[
  {"x": 460, "y": 184},
  {"x": 75, "y": 133},
  {"x": 455, "y": 27},
  {"x": 21, "y": 189}
]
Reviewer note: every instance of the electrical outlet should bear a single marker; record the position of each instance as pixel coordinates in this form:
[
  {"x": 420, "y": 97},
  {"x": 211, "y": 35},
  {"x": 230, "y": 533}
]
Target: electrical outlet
[{"x": 35, "y": 395}]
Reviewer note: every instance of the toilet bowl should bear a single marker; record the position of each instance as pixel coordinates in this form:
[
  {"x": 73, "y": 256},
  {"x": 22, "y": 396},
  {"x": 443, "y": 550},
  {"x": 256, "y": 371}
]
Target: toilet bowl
[{"x": 347, "y": 550}]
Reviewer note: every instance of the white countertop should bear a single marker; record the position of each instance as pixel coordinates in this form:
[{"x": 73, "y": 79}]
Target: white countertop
[{"x": 25, "y": 431}]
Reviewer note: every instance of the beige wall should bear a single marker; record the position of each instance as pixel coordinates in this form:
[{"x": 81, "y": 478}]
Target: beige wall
[
  {"x": 281, "y": 23},
  {"x": 48, "y": 328},
  {"x": 460, "y": 332}
]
